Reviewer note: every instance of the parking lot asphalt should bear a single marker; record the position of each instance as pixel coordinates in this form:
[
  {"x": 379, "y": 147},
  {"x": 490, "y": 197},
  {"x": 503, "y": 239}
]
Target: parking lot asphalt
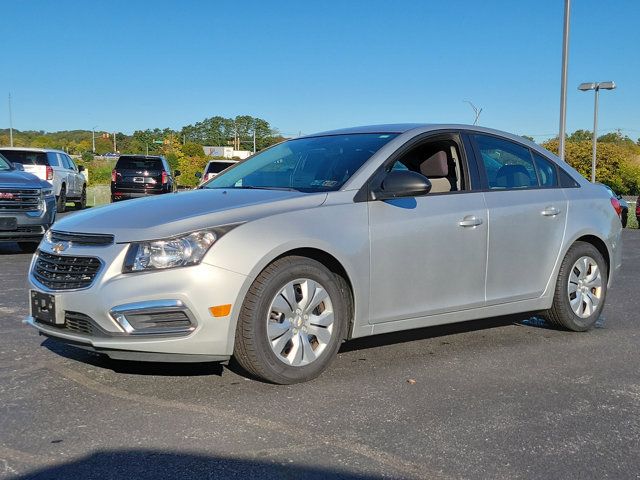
[{"x": 502, "y": 398}]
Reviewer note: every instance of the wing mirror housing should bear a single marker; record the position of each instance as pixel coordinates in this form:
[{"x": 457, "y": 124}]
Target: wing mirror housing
[
  {"x": 198, "y": 174},
  {"x": 176, "y": 173},
  {"x": 402, "y": 183},
  {"x": 81, "y": 168}
]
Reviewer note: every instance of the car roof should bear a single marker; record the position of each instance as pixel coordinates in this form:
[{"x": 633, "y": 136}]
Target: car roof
[
  {"x": 226, "y": 160},
  {"x": 30, "y": 149},
  {"x": 133, "y": 155}
]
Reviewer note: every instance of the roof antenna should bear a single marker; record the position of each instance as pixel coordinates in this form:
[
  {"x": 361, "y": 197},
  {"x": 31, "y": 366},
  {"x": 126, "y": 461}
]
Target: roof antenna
[{"x": 476, "y": 111}]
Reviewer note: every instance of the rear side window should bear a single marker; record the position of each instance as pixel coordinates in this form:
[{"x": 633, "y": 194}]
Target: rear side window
[
  {"x": 507, "y": 165},
  {"x": 25, "y": 158},
  {"x": 217, "y": 167},
  {"x": 53, "y": 159},
  {"x": 139, "y": 163},
  {"x": 546, "y": 171},
  {"x": 65, "y": 161}
]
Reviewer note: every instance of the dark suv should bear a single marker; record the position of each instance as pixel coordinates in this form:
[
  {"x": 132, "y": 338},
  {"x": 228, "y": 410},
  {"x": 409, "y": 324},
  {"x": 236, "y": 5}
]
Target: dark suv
[{"x": 140, "y": 176}]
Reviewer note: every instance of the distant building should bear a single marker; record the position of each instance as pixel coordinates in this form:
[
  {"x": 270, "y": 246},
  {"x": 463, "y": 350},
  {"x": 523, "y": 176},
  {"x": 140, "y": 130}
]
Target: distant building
[{"x": 226, "y": 152}]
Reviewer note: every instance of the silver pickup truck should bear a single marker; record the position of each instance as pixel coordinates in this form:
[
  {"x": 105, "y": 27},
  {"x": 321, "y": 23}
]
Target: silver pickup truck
[{"x": 27, "y": 206}]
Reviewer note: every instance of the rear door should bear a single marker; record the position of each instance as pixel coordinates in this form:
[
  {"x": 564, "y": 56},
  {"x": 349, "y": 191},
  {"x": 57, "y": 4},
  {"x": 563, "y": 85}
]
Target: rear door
[
  {"x": 67, "y": 174},
  {"x": 78, "y": 178},
  {"x": 527, "y": 218}
]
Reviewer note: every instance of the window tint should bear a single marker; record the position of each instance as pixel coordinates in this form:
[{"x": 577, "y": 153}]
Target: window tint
[
  {"x": 139, "y": 163},
  {"x": 507, "y": 164},
  {"x": 566, "y": 181},
  {"x": 24, "y": 157},
  {"x": 546, "y": 171}
]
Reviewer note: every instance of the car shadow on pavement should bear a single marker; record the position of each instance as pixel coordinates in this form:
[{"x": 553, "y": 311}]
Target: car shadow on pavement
[
  {"x": 524, "y": 319},
  {"x": 158, "y": 465},
  {"x": 133, "y": 368}
]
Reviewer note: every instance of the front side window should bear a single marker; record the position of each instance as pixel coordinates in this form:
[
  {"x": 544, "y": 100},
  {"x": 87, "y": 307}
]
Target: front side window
[
  {"x": 507, "y": 165},
  {"x": 316, "y": 164}
]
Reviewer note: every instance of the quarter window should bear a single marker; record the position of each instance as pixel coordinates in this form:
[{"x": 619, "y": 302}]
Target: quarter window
[{"x": 507, "y": 165}]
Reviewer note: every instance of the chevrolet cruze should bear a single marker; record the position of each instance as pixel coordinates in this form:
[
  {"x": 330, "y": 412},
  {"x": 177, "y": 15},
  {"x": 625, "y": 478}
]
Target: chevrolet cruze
[{"x": 329, "y": 237}]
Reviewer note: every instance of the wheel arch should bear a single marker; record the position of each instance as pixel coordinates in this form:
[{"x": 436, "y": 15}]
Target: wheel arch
[{"x": 600, "y": 245}]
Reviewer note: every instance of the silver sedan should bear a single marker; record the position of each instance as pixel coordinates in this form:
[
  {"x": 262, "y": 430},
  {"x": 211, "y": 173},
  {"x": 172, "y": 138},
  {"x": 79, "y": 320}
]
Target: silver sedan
[{"x": 329, "y": 237}]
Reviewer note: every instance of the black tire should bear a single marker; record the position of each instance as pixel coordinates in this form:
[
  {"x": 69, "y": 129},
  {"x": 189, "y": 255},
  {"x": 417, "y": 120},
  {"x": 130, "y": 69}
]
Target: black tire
[
  {"x": 252, "y": 350},
  {"x": 62, "y": 199},
  {"x": 561, "y": 312},
  {"x": 28, "y": 247},
  {"x": 82, "y": 204},
  {"x": 623, "y": 219}
]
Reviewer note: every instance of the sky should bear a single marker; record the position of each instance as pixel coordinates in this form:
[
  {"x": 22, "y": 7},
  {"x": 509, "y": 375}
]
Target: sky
[{"x": 308, "y": 66}]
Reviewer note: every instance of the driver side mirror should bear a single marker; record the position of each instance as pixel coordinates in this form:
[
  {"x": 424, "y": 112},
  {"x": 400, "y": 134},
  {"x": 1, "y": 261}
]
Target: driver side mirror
[
  {"x": 402, "y": 183},
  {"x": 198, "y": 174},
  {"x": 176, "y": 173}
]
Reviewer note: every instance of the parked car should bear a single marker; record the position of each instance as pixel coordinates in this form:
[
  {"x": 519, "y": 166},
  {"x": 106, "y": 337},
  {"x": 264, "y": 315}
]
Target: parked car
[
  {"x": 329, "y": 237},
  {"x": 137, "y": 176},
  {"x": 638, "y": 211},
  {"x": 619, "y": 203},
  {"x": 57, "y": 168},
  {"x": 27, "y": 206},
  {"x": 213, "y": 168}
]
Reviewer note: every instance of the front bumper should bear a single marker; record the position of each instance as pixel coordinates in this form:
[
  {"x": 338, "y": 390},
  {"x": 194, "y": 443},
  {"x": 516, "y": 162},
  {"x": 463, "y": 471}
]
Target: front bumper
[
  {"x": 31, "y": 225},
  {"x": 197, "y": 288}
]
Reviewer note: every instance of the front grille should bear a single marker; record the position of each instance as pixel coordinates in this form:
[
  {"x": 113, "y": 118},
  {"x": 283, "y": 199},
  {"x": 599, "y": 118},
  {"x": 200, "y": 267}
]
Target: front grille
[
  {"x": 87, "y": 239},
  {"x": 15, "y": 199},
  {"x": 60, "y": 272},
  {"x": 78, "y": 323}
]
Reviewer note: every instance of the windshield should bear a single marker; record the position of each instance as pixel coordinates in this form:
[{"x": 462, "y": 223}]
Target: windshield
[
  {"x": 317, "y": 164},
  {"x": 4, "y": 164}
]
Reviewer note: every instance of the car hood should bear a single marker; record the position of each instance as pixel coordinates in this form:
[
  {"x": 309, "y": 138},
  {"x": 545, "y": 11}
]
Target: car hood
[
  {"x": 176, "y": 213},
  {"x": 20, "y": 179}
]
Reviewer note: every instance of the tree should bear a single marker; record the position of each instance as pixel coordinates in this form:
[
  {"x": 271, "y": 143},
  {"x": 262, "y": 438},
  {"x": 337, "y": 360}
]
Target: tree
[
  {"x": 615, "y": 137},
  {"x": 580, "y": 136},
  {"x": 192, "y": 150}
]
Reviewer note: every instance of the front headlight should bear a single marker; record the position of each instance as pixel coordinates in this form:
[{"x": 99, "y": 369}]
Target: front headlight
[{"x": 173, "y": 252}]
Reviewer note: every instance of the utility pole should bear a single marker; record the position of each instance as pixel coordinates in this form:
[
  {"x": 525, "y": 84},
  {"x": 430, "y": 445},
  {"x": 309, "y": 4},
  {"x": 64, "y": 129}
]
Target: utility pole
[
  {"x": 114, "y": 143},
  {"x": 254, "y": 139},
  {"x": 10, "y": 123},
  {"x": 93, "y": 139},
  {"x": 563, "y": 80}
]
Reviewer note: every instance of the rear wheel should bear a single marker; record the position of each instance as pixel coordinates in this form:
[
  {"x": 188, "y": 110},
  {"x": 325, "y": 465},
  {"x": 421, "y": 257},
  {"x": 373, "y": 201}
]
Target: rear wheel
[
  {"x": 82, "y": 204},
  {"x": 292, "y": 321},
  {"x": 62, "y": 199},
  {"x": 580, "y": 290}
]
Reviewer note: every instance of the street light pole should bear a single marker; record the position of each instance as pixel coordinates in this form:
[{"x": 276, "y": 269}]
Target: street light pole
[
  {"x": 596, "y": 86},
  {"x": 10, "y": 123},
  {"x": 595, "y": 136},
  {"x": 563, "y": 80},
  {"x": 93, "y": 139}
]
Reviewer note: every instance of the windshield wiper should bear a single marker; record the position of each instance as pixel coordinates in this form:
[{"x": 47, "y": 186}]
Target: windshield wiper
[{"x": 252, "y": 187}]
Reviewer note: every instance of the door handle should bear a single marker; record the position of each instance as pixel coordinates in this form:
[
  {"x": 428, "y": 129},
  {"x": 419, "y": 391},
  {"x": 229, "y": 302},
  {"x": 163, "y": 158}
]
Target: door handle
[
  {"x": 470, "y": 221},
  {"x": 550, "y": 211}
]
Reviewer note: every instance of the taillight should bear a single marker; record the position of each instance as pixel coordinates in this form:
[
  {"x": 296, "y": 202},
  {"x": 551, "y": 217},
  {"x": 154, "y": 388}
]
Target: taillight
[
  {"x": 616, "y": 206},
  {"x": 164, "y": 177},
  {"x": 49, "y": 173},
  {"x": 638, "y": 209},
  {"x": 113, "y": 175}
]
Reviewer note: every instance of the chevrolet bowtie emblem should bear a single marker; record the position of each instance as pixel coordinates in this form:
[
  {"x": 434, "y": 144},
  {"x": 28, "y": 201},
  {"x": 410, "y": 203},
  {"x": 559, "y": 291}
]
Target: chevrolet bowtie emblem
[{"x": 60, "y": 247}]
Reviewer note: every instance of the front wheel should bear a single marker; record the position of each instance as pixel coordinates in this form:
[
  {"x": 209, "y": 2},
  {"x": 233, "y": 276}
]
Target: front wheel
[
  {"x": 82, "y": 204},
  {"x": 292, "y": 321},
  {"x": 580, "y": 289},
  {"x": 62, "y": 200}
]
